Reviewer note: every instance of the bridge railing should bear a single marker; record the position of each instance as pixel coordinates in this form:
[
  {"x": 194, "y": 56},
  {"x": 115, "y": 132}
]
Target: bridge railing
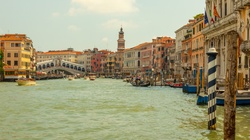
[{"x": 73, "y": 71}]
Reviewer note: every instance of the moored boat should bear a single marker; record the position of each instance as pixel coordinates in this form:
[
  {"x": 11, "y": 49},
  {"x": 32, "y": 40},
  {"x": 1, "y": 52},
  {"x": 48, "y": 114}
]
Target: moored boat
[
  {"x": 176, "y": 85},
  {"x": 26, "y": 81},
  {"x": 242, "y": 98},
  {"x": 188, "y": 88}
]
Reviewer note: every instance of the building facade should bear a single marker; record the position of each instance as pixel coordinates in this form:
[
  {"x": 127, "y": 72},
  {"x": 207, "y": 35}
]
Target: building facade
[
  {"x": 220, "y": 32},
  {"x": 18, "y": 56}
]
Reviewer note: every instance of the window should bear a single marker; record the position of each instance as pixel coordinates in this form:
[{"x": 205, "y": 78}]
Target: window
[
  {"x": 8, "y": 62},
  {"x": 8, "y": 55},
  {"x": 246, "y": 62},
  {"x": 12, "y": 44},
  {"x": 225, "y": 8},
  {"x": 15, "y": 63},
  {"x": 15, "y": 54},
  {"x": 17, "y": 44}
]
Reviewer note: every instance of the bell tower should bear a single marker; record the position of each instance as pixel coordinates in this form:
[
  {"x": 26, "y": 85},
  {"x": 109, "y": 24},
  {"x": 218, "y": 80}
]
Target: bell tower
[{"x": 121, "y": 41}]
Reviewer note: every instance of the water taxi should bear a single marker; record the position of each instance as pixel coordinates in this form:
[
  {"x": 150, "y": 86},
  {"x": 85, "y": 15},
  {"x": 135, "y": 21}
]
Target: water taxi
[
  {"x": 92, "y": 76},
  {"x": 26, "y": 81},
  {"x": 70, "y": 78}
]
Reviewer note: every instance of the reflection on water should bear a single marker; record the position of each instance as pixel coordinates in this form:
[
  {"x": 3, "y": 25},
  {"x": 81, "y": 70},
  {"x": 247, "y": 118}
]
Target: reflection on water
[{"x": 107, "y": 109}]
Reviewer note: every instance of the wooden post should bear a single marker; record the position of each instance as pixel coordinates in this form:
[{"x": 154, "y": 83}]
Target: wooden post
[
  {"x": 197, "y": 79},
  {"x": 211, "y": 88},
  {"x": 230, "y": 90}
]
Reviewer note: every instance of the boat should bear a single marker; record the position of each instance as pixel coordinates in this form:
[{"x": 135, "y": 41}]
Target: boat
[
  {"x": 26, "y": 81},
  {"x": 92, "y": 76},
  {"x": 176, "y": 85},
  {"x": 242, "y": 98},
  {"x": 70, "y": 78},
  {"x": 188, "y": 88},
  {"x": 143, "y": 84},
  {"x": 168, "y": 82},
  {"x": 86, "y": 77}
]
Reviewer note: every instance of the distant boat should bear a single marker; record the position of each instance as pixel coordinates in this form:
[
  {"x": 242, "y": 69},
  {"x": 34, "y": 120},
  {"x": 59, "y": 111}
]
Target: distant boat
[
  {"x": 70, "y": 78},
  {"x": 26, "y": 81},
  {"x": 92, "y": 76},
  {"x": 177, "y": 85},
  {"x": 86, "y": 77},
  {"x": 146, "y": 84}
]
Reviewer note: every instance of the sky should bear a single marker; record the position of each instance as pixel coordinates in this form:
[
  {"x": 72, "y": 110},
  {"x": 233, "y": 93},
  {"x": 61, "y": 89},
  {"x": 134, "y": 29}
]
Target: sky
[{"x": 88, "y": 24}]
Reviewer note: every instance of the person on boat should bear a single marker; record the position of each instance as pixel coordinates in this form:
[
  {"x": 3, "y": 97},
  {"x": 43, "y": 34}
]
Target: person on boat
[{"x": 137, "y": 80}]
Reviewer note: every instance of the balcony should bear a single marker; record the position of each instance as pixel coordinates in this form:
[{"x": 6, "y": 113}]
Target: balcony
[
  {"x": 186, "y": 66},
  {"x": 245, "y": 47},
  {"x": 196, "y": 65},
  {"x": 221, "y": 24},
  {"x": 240, "y": 4}
]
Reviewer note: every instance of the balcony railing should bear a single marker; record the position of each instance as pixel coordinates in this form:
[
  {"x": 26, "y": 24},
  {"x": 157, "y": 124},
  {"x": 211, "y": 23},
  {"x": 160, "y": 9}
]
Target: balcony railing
[
  {"x": 245, "y": 47},
  {"x": 229, "y": 19}
]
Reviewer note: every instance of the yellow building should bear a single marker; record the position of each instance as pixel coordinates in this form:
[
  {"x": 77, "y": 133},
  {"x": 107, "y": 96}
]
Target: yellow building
[
  {"x": 198, "y": 43},
  {"x": 19, "y": 56}
]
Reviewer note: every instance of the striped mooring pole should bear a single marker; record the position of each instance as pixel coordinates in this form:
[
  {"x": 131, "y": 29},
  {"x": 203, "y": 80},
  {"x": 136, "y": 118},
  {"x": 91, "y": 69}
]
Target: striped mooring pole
[{"x": 212, "y": 88}]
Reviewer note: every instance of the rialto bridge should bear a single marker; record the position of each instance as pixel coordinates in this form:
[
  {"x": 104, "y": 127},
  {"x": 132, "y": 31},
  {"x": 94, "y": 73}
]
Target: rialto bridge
[{"x": 57, "y": 65}]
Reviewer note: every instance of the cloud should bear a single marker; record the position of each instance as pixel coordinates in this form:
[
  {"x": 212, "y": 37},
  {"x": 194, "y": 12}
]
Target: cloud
[
  {"x": 55, "y": 14},
  {"x": 103, "y": 6},
  {"x": 116, "y": 23},
  {"x": 73, "y": 28},
  {"x": 105, "y": 40}
]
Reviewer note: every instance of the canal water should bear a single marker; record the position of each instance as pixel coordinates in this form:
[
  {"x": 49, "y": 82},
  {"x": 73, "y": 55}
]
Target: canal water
[{"x": 107, "y": 109}]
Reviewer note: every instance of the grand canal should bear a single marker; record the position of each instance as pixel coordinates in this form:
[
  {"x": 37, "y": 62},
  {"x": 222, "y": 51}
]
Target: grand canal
[{"x": 107, "y": 109}]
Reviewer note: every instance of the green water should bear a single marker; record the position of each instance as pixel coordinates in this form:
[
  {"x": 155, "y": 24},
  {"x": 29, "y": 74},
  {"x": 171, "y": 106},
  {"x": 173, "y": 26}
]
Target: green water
[{"x": 107, "y": 109}]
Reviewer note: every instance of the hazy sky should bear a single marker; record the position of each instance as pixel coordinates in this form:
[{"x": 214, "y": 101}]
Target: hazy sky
[{"x": 85, "y": 24}]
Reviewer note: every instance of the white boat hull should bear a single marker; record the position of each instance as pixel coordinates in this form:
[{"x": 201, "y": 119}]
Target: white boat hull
[{"x": 26, "y": 82}]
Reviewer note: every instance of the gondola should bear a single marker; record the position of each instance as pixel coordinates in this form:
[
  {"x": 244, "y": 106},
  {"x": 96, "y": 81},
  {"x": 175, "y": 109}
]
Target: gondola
[{"x": 140, "y": 84}]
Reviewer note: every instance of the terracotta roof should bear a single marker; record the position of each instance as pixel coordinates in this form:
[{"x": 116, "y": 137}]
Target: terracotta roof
[{"x": 14, "y": 37}]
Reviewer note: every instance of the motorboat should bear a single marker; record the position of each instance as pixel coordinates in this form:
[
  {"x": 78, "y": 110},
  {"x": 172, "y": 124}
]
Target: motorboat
[
  {"x": 70, "y": 78},
  {"x": 92, "y": 76},
  {"x": 26, "y": 81}
]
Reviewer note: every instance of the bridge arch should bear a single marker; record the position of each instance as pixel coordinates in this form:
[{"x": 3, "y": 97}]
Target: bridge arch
[{"x": 52, "y": 66}]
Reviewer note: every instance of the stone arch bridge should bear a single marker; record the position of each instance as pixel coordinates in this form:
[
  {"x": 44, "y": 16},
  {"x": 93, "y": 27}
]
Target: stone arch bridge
[{"x": 58, "y": 65}]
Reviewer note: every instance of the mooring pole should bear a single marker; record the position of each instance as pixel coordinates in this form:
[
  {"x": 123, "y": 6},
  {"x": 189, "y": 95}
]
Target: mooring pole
[
  {"x": 231, "y": 88},
  {"x": 211, "y": 88}
]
